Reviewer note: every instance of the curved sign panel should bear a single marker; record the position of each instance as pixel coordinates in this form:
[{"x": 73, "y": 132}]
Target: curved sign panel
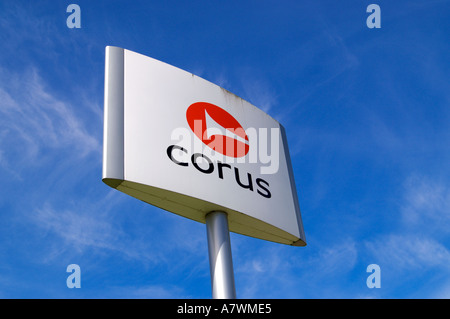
[{"x": 186, "y": 145}]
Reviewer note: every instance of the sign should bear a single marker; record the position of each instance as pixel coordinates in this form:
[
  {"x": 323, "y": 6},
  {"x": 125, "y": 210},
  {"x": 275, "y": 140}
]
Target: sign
[{"x": 188, "y": 146}]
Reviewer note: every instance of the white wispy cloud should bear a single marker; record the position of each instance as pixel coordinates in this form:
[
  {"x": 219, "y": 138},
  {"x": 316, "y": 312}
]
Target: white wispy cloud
[
  {"x": 78, "y": 233},
  {"x": 426, "y": 204},
  {"x": 78, "y": 230},
  {"x": 337, "y": 259},
  {"x": 409, "y": 252},
  {"x": 442, "y": 291},
  {"x": 287, "y": 272},
  {"x": 21, "y": 27},
  {"x": 148, "y": 292},
  {"x": 259, "y": 93},
  {"x": 103, "y": 227},
  {"x": 33, "y": 119},
  {"x": 418, "y": 243}
]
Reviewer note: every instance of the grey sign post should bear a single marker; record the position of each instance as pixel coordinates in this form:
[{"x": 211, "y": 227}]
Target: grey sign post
[{"x": 220, "y": 259}]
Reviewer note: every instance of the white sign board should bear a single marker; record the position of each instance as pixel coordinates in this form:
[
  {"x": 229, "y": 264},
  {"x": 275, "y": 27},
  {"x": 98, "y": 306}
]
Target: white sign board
[{"x": 186, "y": 145}]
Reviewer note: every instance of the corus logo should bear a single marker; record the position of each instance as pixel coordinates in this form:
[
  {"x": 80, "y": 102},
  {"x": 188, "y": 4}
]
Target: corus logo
[
  {"x": 217, "y": 129},
  {"x": 220, "y": 131}
]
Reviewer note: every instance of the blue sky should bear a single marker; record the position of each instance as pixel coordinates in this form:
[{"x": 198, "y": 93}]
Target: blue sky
[{"x": 366, "y": 111}]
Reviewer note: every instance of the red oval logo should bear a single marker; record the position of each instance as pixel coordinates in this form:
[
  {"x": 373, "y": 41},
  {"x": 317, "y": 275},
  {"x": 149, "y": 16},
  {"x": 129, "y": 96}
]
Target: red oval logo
[{"x": 217, "y": 129}]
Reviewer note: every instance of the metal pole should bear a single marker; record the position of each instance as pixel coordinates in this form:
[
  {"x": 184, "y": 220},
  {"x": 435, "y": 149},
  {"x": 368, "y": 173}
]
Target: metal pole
[{"x": 220, "y": 261}]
